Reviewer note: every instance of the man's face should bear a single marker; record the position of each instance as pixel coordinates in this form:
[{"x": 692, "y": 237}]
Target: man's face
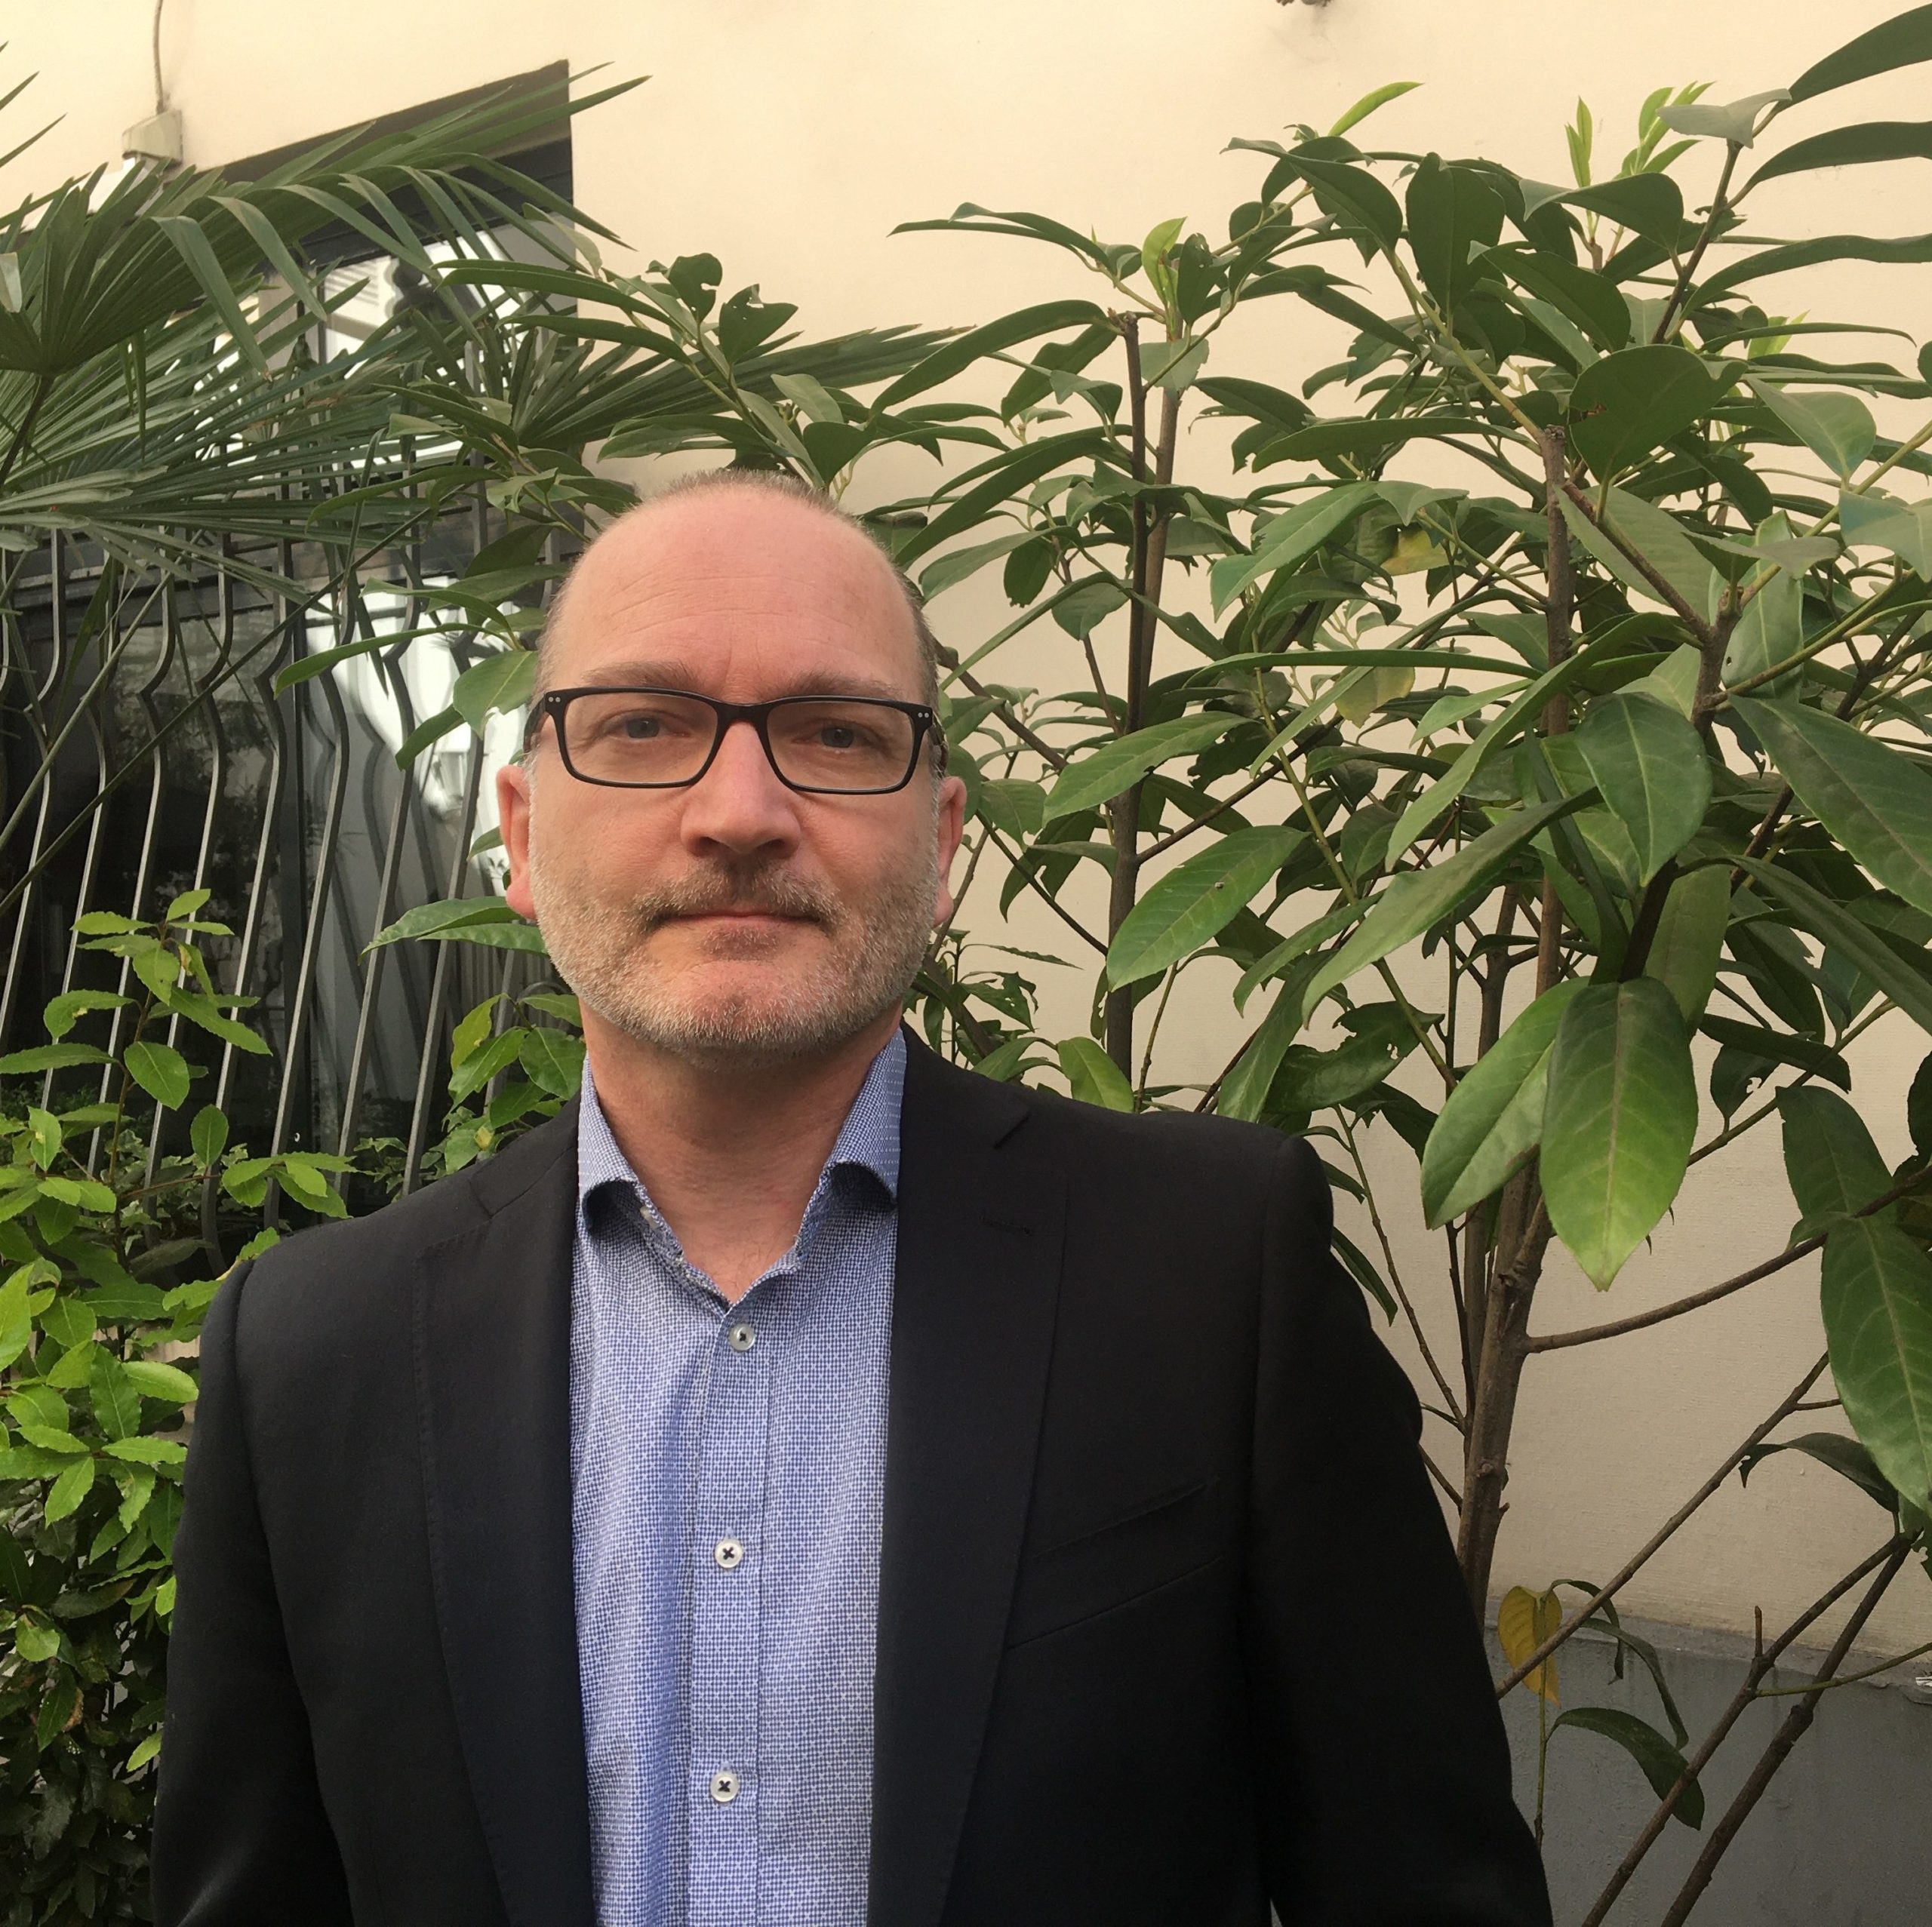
[{"x": 734, "y": 919}]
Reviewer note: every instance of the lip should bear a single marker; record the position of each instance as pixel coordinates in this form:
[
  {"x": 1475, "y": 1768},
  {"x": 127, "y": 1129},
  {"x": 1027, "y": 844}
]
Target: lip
[{"x": 735, "y": 917}]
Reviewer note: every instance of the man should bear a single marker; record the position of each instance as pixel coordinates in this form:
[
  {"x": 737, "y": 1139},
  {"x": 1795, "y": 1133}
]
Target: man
[{"x": 805, "y": 1484}]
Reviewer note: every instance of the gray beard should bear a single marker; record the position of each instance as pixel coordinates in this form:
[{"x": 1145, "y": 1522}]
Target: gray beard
[{"x": 869, "y": 963}]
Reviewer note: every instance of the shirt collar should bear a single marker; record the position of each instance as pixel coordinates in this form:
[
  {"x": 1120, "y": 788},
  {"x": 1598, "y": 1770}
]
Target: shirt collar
[{"x": 868, "y": 1140}]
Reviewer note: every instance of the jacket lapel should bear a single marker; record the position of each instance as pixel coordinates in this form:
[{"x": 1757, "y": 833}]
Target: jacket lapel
[
  {"x": 492, "y": 1336},
  {"x": 974, "y": 1296}
]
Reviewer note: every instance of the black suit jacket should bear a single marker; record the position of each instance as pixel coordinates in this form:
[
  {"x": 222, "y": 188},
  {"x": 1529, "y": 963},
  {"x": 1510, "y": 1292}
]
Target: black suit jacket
[{"x": 1169, "y": 1622}]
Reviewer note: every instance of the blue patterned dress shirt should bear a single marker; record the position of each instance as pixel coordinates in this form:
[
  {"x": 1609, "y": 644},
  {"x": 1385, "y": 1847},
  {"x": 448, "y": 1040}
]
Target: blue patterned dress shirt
[{"x": 727, "y": 1472}]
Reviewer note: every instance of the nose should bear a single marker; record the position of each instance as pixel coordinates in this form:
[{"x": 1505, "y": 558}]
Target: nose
[{"x": 738, "y": 807}]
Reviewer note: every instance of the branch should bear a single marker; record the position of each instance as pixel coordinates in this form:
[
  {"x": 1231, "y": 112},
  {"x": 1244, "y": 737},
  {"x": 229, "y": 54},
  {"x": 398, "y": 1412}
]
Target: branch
[
  {"x": 1005, "y": 711},
  {"x": 1617, "y": 1327},
  {"x": 1694, "y": 622},
  {"x": 1797, "y": 1723},
  {"x": 1608, "y": 1591},
  {"x": 1746, "y": 1697},
  {"x": 1017, "y": 861},
  {"x": 1667, "y": 320}
]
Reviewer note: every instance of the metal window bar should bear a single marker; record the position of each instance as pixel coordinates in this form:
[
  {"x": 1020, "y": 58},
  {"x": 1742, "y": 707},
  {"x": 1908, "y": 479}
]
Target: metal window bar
[{"x": 179, "y": 767}]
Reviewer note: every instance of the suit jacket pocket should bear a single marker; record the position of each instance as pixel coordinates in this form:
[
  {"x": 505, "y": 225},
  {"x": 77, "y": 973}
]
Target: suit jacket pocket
[{"x": 1134, "y": 1551}]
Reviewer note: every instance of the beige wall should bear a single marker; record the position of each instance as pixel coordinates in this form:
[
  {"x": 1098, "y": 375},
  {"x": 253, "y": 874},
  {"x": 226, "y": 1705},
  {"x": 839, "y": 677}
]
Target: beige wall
[{"x": 789, "y": 137}]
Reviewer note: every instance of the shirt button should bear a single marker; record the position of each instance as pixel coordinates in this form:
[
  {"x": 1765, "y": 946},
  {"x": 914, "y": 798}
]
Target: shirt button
[
  {"x": 724, "y": 1788},
  {"x": 729, "y": 1553},
  {"x": 741, "y": 1338}
]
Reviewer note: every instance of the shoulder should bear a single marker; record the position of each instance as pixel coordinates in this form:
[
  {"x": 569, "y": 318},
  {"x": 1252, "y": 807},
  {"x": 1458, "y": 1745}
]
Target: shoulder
[
  {"x": 331, "y": 1274},
  {"x": 1164, "y": 1149}
]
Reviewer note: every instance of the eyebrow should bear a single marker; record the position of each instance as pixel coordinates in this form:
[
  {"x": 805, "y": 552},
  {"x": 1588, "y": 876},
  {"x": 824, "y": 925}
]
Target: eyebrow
[{"x": 673, "y": 673}]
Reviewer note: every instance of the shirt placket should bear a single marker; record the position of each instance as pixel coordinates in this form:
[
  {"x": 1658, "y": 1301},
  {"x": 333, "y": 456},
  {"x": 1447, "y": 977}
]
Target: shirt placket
[{"x": 727, "y": 1656}]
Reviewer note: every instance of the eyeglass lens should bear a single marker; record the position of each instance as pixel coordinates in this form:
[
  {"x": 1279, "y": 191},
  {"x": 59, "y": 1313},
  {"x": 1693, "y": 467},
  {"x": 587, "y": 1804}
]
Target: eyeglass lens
[{"x": 653, "y": 737}]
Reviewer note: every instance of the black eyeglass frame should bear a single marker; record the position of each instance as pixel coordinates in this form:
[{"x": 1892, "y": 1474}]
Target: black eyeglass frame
[{"x": 553, "y": 702}]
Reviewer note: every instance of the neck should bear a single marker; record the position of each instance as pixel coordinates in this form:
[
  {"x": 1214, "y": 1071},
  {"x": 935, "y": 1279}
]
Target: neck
[{"x": 730, "y": 1154}]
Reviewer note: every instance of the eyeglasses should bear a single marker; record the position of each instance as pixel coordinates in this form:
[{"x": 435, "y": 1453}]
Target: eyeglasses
[{"x": 667, "y": 738}]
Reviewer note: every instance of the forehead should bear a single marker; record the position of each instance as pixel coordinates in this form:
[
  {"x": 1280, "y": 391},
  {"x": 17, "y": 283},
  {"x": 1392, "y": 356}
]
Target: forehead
[{"x": 752, "y": 593}]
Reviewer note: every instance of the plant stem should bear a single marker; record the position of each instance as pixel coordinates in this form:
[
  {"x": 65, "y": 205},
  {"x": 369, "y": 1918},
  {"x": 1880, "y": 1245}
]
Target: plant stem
[
  {"x": 1642, "y": 1557},
  {"x": 1797, "y": 1724},
  {"x": 1746, "y": 1696}
]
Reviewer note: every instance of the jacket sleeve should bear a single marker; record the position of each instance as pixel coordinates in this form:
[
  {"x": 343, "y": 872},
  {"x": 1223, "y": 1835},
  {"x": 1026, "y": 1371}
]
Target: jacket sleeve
[
  {"x": 1384, "y": 1774},
  {"x": 240, "y": 1835}
]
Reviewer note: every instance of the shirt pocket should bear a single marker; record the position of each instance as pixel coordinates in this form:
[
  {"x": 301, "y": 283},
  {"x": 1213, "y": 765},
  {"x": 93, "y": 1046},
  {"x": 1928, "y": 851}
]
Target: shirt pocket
[{"x": 1135, "y": 1551}]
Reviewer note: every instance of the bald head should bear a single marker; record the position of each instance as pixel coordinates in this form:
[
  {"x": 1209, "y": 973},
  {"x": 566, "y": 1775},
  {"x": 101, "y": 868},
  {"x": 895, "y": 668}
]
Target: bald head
[{"x": 705, "y": 528}]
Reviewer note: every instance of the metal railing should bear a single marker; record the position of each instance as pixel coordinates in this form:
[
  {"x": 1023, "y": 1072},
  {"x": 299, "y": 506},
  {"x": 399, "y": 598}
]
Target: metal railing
[{"x": 146, "y": 750}]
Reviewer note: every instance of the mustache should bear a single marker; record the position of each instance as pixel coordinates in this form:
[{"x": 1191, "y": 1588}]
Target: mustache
[{"x": 772, "y": 892}]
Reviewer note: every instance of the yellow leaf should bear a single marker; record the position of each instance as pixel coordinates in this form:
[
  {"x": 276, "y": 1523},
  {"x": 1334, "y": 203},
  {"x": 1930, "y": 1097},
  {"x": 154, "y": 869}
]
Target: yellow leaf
[
  {"x": 1523, "y": 1622},
  {"x": 1416, "y": 550}
]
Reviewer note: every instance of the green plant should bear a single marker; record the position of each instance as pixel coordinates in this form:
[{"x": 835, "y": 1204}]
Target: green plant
[
  {"x": 104, "y": 1246},
  {"x": 1536, "y": 734}
]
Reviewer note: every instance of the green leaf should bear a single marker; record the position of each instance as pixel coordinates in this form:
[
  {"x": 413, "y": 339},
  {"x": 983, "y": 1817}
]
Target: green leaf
[
  {"x": 497, "y": 685},
  {"x": 1595, "y": 304},
  {"x": 1876, "y": 1294},
  {"x": 1874, "y": 801},
  {"x": 957, "y": 566},
  {"x": 1856, "y": 942},
  {"x": 154, "y": 1380},
  {"x": 1618, "y": 1122},
  {"x": 1771, "y": 630},
  {"x": 1775, "y": 1047},
  {"x": 1243, "y": 1091},
  {"x": 1628, "y": 403},
  {"x": 85, "y": 1193},
  {"x": 1833, "y": 1167},
  {"x": 147, "y": 1450},
  {"x": 1650, "y": 767},
  {"x": 16, "y": 1321},
  {"x": 1417, "y": 898},
  {"x": 1844, "y": 1456},
  {"x": 1656, "y": 535},
  {"x": 484, "y": 920},
  {"x": 1664, "y": 1766},
  {"x": 1904, "y": 529},
  {"x": 993, "y": 338},
  {"x": 1367, "y": 105},
  {"x": 67, "y": 1491},
  {"x": 117, "y": 1405},
  {"x": 1287, "y": 539},
  {"x": 63, "y": 1012},
  {"x": 50, "y": 1057},
  {"x": 44, "y": 1136},
  {"x": 1452, "y": 211},
  {"x": 1196, "y": 900},
  {"x": 201, "y": 1011},
  {"x": 1849, "y": 147},
  {"x": 1352, "y": 197},
  {"x": 552, "y": 1060},
  {"x": 1116, "y": 766},
  {"x": 431, "y": 729},
  {"x": 1901, "y": 41},
  {"x": 1493, "y": 1118},
  {"x": 1649, "y": 205},
  {"x": 1364, "y": 439},
  {"x": 1081, "y": 610},
  {"x": 1093, "y": 1076},
  {"x": 160, "y": 1071},
  {"x": 208, "y": 1135},
  {"x": 1689, "y": 943},
  {"x": 34, "y": 1642},
  {"x": 1837, "y": 428}
]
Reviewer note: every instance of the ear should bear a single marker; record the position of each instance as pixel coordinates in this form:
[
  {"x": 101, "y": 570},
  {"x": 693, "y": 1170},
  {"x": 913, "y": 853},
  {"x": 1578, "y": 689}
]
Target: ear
[
  {"x": 513, "y": 814},
  {"x": 952, "y": 826}
]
